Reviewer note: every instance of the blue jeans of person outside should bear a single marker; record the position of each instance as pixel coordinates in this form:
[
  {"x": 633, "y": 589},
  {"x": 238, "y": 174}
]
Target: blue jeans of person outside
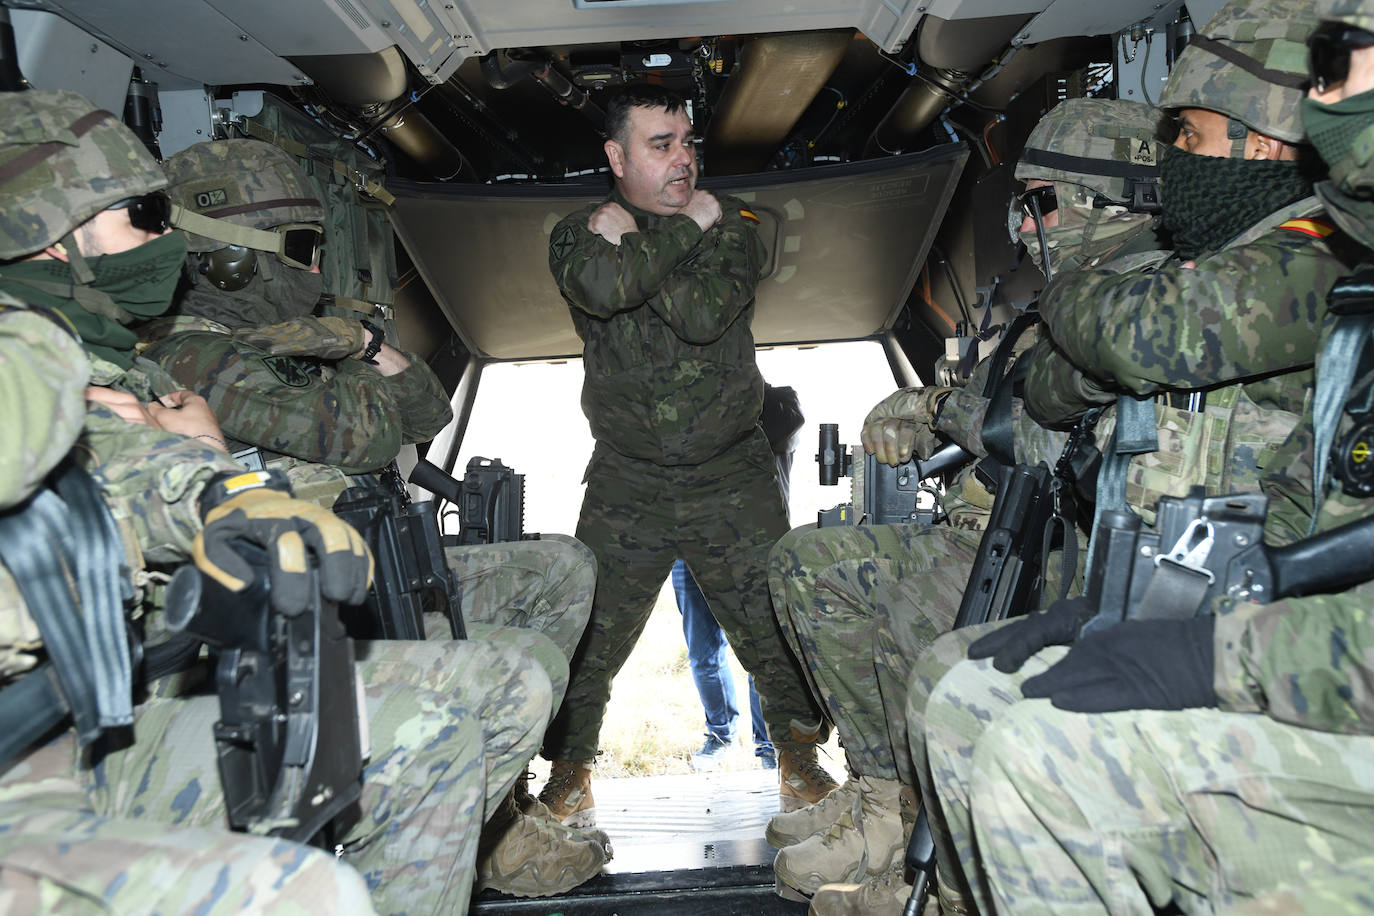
[{"x": 706, "y": 647}]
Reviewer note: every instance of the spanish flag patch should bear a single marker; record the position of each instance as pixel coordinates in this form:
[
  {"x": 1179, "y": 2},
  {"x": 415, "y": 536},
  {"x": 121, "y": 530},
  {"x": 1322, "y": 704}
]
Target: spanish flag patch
[
  {"x": 1317, "y": 228},
  {"x": 749, "y": 215}
]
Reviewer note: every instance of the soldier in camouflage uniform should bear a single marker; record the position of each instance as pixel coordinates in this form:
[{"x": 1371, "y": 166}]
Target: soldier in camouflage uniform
[
  {"x": 452, "y": 724},
  {"x": 660, "y": 280},
  {"x": 1202, "y": 808},
  {"x": 325, "y": 398},
  {"x": 861, "y": 602}
]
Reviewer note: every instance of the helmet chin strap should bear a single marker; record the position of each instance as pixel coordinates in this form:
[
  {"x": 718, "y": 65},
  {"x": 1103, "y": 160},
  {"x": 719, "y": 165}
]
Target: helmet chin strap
[
  {"x": 1040, "y": 237},
  {"x": 1237, "y": 133}
]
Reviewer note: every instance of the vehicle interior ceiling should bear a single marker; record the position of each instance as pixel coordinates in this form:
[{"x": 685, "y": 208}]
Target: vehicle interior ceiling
[{"x": 875, "y": 139}]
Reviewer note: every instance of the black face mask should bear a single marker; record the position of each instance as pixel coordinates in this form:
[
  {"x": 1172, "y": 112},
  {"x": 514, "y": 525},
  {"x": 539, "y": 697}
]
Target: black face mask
[
  {"x": 1209, "y": 200},
  {"x": 291, "y": 293}
]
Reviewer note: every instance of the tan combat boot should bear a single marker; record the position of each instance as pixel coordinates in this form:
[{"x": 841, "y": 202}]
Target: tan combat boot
[
  {"x": 858, "y": 844},
  {"x": 794, "y": 826},
  {"x": 883, "y": 895},
  {"x": 802, "y": 780},
  {"x": 568, "y": 793},
  {"x": 534, "y": 856},
  {"x": 527, "y": 803},
  {"x": 878, "y": 893}
]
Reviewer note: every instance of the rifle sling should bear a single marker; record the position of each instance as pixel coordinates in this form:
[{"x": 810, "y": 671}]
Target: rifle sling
[
  {"x": 40, "y": 542},
  {"x": 999, "y": 390}
]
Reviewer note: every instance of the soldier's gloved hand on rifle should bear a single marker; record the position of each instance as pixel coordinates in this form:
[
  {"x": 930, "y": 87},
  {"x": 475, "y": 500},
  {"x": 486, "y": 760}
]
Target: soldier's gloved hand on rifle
[
  {"x": 902, "y": 425},
  {"x": 1137, "y": 664},
  {"x": 258, "y": 507},
  {"x": 1011, "y": 645},
  {"x": 330, "y": 337}
]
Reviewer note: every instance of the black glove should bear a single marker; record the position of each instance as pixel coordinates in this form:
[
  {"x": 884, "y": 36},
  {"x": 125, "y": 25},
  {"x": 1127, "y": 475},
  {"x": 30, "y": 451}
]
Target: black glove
[
  {"x": 1137, "y": 664},
  {"x": 251, "y": 507},
  {"x": 1011, "y": 645}
]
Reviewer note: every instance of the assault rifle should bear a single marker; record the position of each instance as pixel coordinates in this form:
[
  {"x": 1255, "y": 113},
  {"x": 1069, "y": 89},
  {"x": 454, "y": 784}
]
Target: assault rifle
[
  {"x": 1203, "y": 547},
  {"x": 289, "y": 736},
  {"x": 490, "y": 500},
  {"x": 890, "y": 495},
  {"x": 410, "y": 566}
]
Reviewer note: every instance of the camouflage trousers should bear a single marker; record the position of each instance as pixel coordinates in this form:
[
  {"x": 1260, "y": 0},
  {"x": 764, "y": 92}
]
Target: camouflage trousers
[
  {"x": 542, "y": 586},
  {"x": 1346, "y": 889},
  {"x": 56, "y": 858},
  {"x": 1127, "y": 812},
  {"x": 721, "y": 517},
  {"x": 452, "y": 726},
  {"x": 858, "y": 604}
]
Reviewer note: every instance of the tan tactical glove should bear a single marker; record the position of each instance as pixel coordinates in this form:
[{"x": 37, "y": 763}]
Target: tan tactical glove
[
  {"x": 902, "y": 425},
  {"x": 325, "y": 338},
  {"x": 257, "y": 507}
]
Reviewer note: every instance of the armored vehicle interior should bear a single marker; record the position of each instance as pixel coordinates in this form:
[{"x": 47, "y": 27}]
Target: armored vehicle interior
[{"x": 874, "y": 138}]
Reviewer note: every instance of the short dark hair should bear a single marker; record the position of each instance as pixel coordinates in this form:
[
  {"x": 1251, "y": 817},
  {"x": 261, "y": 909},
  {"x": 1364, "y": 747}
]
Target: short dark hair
[{"x": 638, "y": 95}]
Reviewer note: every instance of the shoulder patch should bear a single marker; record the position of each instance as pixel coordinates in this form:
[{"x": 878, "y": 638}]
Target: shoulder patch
[
  {"x": 288, "y": 371},
  {"x": 749, "y": 215},
  {"x": 1317, "y": 228},
  {"x": 563, "y": 242}
]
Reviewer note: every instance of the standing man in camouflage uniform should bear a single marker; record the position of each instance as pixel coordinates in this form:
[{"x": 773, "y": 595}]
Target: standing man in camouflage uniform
[
  {"x": 326, "y": 398},
  {"x": 452, "y": 725},
  {"x": 660, "y": 279},
  {"x": 1228, "y": 752},
  {"x": 1269, "y": 282},
  {"x": 863, "y": 601}
]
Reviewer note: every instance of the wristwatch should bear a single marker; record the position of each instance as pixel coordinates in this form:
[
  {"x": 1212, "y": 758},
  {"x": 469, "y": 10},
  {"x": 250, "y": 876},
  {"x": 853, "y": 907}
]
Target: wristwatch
[{"x": 375, "y": 346}]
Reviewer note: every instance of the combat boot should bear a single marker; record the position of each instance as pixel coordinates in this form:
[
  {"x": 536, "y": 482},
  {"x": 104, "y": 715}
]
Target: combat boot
[
  {"x": 527, "y": 803},
  {"x": 877, "y": 895},
  {"x": 860, "y": 843},
  {"x": 794, "y": 826},
  {"x": 534, "y": 856},
  {"x": 568, "y": 793},
  {"x": 802, "y": 780}
]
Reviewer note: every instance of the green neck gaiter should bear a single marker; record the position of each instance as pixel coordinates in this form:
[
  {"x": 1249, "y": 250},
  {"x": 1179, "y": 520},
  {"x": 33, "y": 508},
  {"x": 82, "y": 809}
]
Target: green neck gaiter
[
  {"x": 1209, "y": 200},
  {"x": 291, "y": 293},
  {"x": 1343, "y": 134},
  {"x": 139, "y": 282}
]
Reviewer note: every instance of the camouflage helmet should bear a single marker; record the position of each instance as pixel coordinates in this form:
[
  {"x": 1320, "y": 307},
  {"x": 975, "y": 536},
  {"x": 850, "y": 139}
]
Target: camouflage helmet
[
  {"x": 1358, "y": 13},
  {"x": 62, "y": 161},
  {"x": 1102, "y": 144},
  {"x": 246, "y": 182},
  {"x": 1249, "y": 63}
]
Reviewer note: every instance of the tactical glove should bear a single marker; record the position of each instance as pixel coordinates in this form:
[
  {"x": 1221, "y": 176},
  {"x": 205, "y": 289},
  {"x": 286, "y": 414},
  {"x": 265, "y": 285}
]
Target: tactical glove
[
  {"x": 902, "y": 425},
  {"x": 1137, "y": 664},
  {"x": 1011, "y": 645},
  {"x": 324, "y": 338},
  {"x": 257, "y": 506}
]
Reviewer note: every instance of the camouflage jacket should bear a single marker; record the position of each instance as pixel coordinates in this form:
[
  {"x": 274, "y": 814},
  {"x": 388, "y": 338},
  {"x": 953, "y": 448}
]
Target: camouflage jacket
[
  {"x": 43, "y": 371},
  {"x": 336, "y": 412},
  {"x": 670, "y": 375},
  {"x": 1249, "y": 312},
  {"x": 1241, "y": 325},
  {"x": 151, "y": 479}
]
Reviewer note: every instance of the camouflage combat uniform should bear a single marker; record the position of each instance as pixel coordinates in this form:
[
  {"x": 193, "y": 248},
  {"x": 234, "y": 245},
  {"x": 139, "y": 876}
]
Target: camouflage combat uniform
[
  {"x": 330, "y": 415},
  {"x": 860, "y": 603},
  {"x": 681, "y": 467},
  {"x": 452, "y": 724},
  {"x": 466, "y": 717},
  {"x": 1204, "y": 807}
]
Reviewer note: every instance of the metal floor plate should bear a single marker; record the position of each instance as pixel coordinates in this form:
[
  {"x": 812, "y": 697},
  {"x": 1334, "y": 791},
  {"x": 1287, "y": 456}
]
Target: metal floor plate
[{"x": 683, "y": 845}]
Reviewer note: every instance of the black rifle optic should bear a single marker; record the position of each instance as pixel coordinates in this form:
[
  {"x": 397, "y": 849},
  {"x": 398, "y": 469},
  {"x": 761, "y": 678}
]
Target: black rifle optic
[
  {"x": 1204, "y": 547},
  {"x": 290, "y": 751},
  {"x": 890, "y": 494}
]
